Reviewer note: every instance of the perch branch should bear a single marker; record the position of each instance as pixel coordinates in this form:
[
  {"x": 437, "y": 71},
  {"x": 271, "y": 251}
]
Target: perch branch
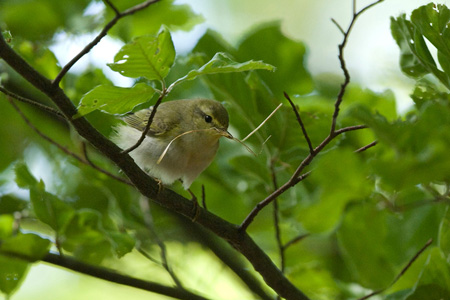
[{"x": 148, "y": 187}]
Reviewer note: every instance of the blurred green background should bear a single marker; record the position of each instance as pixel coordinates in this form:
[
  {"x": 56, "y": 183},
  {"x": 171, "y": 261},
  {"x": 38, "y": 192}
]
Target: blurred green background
[{"x": 332, "y": 256}]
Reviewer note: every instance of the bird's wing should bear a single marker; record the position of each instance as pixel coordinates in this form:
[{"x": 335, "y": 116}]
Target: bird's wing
[{"x": 161, "y": 122}]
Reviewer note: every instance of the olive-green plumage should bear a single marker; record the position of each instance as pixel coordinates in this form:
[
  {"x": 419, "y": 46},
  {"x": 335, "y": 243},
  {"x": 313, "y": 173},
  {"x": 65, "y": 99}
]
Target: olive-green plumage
[{"x": 188, "y": 155}]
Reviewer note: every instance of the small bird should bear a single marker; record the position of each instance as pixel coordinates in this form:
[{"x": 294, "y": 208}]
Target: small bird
[{"x": 182, "y": 141}]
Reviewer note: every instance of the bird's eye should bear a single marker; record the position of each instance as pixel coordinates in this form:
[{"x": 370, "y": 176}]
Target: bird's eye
[{"x": 208, "y": 119}]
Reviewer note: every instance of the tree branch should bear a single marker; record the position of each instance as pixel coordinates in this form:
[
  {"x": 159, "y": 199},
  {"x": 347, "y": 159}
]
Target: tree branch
[
  {"x": 148, "y": 187},
  {"x": 34, "y": 103},
  {"x": 109, "y": 275},
  {"x": 101, "y": 35}
]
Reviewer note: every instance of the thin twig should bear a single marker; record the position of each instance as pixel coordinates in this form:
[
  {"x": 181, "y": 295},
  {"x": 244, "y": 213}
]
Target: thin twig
[
  {"x": 262, "y": 123},
  {"x": 341, "y": 47},
  {"x": 148, "y": 125},
  {"x": 41, "y": 106},
  {"x": 148, "y": 220},
  {"x": 299, "y": 120},
  {"x": 276, "y": 218},
  {"x": 64, "y": 149},
  {"x": 296, "y": 240},
  {"x": 251, "y": 216},
  {"x": 98, "y": 38},
  {"x": 403, "y": 271},
  {"x": 350, "y": 128},
  {"x": 338, "y": 26},
  {"x": 112, "y": 6},
  {"x": 366, "y": 147}
]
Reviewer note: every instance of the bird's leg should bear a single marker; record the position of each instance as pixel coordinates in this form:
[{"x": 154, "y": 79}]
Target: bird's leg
[
  {"x": 196, "y": 205},
  {"x": 160, "y": 185}
]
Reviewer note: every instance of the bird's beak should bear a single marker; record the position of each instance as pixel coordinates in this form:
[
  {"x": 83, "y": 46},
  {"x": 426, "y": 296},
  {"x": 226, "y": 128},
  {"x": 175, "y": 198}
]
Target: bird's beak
[{"x": 225, "y": 133}]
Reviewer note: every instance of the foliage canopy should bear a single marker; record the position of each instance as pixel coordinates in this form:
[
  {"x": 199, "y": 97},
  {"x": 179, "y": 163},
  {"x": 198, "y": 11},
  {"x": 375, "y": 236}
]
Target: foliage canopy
[{"x": 352, "y": 223}]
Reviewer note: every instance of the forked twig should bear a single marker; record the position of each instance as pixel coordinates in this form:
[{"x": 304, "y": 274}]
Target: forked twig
[
  {"x": 297, "y": 176},
  {"x": 341, "y": 47}
]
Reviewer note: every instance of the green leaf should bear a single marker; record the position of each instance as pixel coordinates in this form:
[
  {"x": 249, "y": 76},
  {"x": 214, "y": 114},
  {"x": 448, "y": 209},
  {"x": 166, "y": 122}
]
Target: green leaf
[
  {"x": 427, "y": 22},
  {"x": 12, "y": 273},
  {"x": 146, "y": 56},
  {"x": 425, "y": 91},
  {"x": 30, "y": 247},
  {"x": 148, "y": 21},
  {"x": 222, "y": 63},
  {"x": 269, "y": 44},
  {"x": 114, "y": 100},
  {"x": 444, "y": 233},
  {"x": 122, "y": 243},
  {"x": 16, "y": 253},
  {"x": 6, "y": 226},
  {"x": 434, "y": 282},
  {"x": 432, "y": 22},
  {"x": 51, "y": 17},
  {"x": 88, "y": 239},
  {"x": 24, "y": 178},
  {"x": 341, "y": 178},
  {"x": 50, "y": 209},
  {"x": 10, "y": 204}
]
